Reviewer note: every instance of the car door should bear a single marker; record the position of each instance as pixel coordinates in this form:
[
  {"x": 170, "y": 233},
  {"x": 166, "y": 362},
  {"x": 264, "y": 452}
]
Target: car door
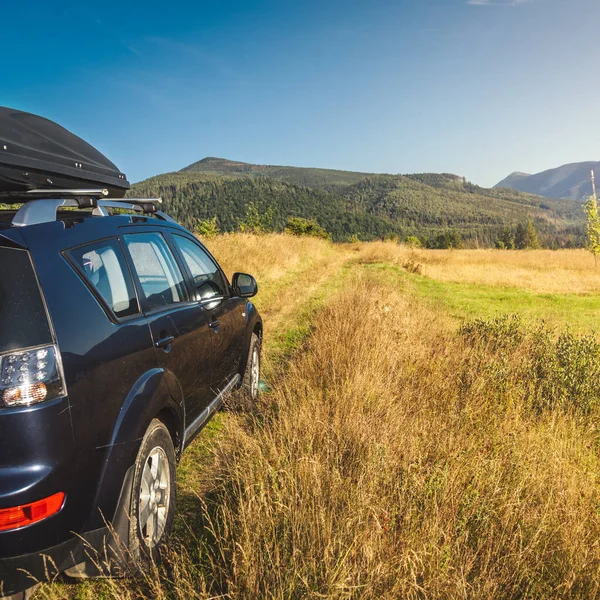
[
  {"x": 226, "y": 312},
  {"x": 179, "y": 325}
]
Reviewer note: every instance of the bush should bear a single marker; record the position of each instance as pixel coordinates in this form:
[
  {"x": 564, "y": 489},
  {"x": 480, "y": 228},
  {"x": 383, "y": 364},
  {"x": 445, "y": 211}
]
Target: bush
[
  {"x": 413, "y": 241},
  {"x": 257, "y": 222},
  {"x": 547, "y": 371},
  {"x": 300, "y": 226},
  {"x": 207, "y": 227}
]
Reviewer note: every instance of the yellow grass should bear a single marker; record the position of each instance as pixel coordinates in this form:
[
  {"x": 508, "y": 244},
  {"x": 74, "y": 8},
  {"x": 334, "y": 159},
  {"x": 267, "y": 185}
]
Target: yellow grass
[
  {"x": 393, "y": 457},
  {"x": 267, "y": 257},
  {"x": 541, "y": 271},
  {"x": 378, "y": 475}
]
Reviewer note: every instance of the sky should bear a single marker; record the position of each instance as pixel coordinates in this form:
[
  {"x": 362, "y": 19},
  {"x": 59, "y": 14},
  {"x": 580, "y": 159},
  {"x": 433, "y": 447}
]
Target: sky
[{"x": 480, "y": 88}]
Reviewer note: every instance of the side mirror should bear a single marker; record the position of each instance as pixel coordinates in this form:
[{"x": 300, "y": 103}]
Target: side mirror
[{"x": 244, "y": 285}]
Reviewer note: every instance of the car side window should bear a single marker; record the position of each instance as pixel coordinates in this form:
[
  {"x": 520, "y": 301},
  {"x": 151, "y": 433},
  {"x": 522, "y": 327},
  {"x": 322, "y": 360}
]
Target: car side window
[
  {"x": 207, "y": 277},
  {"x": 157, "y": 270},
  {"x": 104, "y": 267}
]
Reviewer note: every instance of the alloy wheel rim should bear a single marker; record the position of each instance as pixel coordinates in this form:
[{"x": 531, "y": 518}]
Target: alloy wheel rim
[
  {"x": 154, "y": 497},
  {"x": 255, "y": 373}
]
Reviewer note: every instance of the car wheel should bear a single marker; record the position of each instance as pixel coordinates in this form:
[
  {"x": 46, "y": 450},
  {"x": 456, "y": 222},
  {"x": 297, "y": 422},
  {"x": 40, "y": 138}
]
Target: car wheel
[
  {"x": 251, "y": 381},
  {"x": 153, "y": 494}
]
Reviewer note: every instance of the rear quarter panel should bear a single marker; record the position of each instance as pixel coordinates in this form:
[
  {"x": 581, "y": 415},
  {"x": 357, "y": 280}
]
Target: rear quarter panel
[{"x": 114, "y": 387}]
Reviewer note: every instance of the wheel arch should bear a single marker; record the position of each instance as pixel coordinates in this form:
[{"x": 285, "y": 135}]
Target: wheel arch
[
  {"x": 254, "y": 324},
  {"x": 174, "y": 424},
  {"x": 148, "y": 399}
]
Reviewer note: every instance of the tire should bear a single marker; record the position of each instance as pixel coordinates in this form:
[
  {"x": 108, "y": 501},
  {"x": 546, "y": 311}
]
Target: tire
[
  {"x": 251, "y": 380},
  {"x": 152, "y": 495}
]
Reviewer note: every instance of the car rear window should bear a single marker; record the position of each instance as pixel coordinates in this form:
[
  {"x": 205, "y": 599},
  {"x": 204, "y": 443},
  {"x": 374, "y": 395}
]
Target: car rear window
[
  {"x": 103, "y": 266},
  {"x": 23, "y": 318}
]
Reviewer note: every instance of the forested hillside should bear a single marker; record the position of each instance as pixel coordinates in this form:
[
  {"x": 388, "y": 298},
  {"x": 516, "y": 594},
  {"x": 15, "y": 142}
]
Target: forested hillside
[{"x": 358, "y": 205}]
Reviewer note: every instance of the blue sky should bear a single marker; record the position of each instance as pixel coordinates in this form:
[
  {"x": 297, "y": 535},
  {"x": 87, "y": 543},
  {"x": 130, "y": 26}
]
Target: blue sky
[{"x": 479, "y": 88}]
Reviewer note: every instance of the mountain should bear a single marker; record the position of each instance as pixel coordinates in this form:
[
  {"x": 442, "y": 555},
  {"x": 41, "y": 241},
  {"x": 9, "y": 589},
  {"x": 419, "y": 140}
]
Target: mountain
[
  {"x": 571, "y": 181},
  {"x": 350, "y": 204},
  {"x": 513, "y": 180},
  {"x": 295, "y": 175}
]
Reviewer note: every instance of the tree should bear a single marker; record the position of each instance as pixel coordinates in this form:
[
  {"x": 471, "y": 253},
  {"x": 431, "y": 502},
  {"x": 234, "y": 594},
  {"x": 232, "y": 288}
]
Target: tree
[
  {"x": 413, "y": 241},
  {"x": 526, "y": 237},
  {"x": 207, "y": 227},
  {"x": 593, "y": 227},
  {"x": 300, "y": 226},
  {"x": 255, "y": 222},
  {"x": 506, "y": 241},
  {"x": 448, "y": 240}
]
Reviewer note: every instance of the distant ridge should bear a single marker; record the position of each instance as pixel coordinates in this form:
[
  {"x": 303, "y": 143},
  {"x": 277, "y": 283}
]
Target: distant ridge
[
  {"x": 570, "y": 181},
  {"x": 513, "y": 180},
  {"x": 357, "y": 205},
  {"x": 308, "y": 176}
]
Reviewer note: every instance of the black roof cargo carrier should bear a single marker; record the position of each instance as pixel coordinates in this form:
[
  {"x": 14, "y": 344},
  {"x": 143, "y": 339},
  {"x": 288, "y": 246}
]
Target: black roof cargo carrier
[{"x": 36, "y": 153}]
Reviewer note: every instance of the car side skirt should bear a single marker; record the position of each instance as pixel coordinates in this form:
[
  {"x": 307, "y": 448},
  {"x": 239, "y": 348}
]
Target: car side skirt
[{"x": 192, "y": 430}]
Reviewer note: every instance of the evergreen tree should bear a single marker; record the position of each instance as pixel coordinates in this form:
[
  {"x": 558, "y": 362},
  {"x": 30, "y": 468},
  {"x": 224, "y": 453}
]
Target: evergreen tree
[
  {"x": 449, "y": 239},
  {"x": 506, "y": 241},
  {"x": 526, "y": 237}
]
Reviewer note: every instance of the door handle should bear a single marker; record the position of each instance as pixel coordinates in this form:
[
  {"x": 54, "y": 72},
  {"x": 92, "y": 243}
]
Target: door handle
[
  {"x": 164, "y": 342},
  {"x": 214, "y": 324}
]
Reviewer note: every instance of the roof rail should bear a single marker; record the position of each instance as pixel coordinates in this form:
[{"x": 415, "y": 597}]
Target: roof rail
[
  {"x": 28, "y": 195},
  {"x": 42, "y": 208}
]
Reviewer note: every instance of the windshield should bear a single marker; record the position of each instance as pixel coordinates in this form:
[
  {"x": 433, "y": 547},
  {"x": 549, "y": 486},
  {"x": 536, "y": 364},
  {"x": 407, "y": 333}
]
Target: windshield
[{"x": 23, "y": 319}]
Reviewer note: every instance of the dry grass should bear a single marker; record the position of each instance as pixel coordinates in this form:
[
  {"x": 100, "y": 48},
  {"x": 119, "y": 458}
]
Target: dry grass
[
  {"x": 268, "y": 257},
  {"x": 541, "y": 271},
  {"x": 383, "y": 467},
  {"x": 395, "y": 457}
]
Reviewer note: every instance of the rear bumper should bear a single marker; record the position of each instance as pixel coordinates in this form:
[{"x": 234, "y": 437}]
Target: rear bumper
[
  {"x": 100, "y": 548},
  {"x": 18, "y": 573},
  {"x": 38, "y": 460},
  {"x": 21, "y": 572}
]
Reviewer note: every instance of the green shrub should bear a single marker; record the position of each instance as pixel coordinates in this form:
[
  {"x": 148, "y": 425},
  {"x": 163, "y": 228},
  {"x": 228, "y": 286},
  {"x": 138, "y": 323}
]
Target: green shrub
[
  {"x": 257, "y": 222},
  {"x": 207, "y": 227},
  {"x": 413, "y": 241},
  {"x": 300, "y": 226},
  {"x": 533, "y": 363}
]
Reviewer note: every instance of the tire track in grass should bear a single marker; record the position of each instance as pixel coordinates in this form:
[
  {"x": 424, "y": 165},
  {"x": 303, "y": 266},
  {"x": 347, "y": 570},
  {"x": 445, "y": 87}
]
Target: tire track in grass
[{"x": 287, "y": 309}]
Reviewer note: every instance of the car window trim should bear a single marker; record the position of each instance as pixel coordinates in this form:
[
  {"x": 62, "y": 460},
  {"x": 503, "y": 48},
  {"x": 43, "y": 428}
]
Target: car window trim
[{"x": 107, "y": 309}]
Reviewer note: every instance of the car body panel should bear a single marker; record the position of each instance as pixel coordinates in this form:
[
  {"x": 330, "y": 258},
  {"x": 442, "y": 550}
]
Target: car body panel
[
  {"x": 188, "y": 357},
  {"x": 84, "y": 443},
  {"x": 228, "y": 336}
]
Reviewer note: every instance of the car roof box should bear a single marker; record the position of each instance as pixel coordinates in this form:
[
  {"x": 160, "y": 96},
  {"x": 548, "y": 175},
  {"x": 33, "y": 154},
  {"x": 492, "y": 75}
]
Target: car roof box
[{"x": 36, "y": 153}]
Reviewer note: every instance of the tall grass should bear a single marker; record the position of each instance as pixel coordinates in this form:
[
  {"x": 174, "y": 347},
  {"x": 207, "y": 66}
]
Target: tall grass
[
  {"x": 383, "y": 467},
  {"x": 398, "y": 457},
  {"x": 267, "y": 257},
  {"x": 540, "y": 271}
]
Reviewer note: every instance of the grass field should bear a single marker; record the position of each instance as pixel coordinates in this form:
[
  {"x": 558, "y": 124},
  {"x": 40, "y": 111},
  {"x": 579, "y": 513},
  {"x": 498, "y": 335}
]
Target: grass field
[{"x": 415, "y": 442}]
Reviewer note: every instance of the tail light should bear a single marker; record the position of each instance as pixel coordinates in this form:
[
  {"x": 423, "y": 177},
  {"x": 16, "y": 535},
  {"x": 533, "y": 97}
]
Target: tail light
[
  {"x": 31, "y": 376},
  {"x": 27, "y": 514}
]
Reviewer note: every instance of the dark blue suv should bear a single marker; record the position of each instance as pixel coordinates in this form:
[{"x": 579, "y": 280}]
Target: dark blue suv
[{"x": 120, "y": 335}]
